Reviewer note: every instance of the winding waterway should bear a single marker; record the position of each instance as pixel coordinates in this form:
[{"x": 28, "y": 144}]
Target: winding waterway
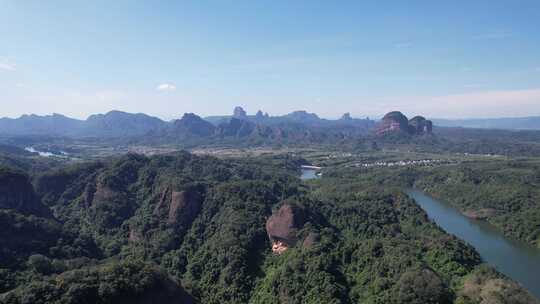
[{"x": 516, "y": 259}]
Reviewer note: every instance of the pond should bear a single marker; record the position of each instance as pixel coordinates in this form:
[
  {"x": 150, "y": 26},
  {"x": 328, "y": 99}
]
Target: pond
[{"x": 309, "y": 174}]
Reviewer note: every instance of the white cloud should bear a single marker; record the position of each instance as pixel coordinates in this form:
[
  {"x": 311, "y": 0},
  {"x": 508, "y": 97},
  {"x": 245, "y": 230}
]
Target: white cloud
[
  {"x": 168, "y": 87},
  {"x": 7, "y": 66}
]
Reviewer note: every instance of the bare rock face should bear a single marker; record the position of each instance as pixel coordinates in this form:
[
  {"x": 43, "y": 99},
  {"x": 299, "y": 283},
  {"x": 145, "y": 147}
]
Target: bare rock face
[
  {"x": 283, "y": 226},
  {"x": 393, "y": 122},
  {"x": 419, "y": 125},
  {"x": 279, "y": 247},
  {"x": 180, "y": 206},
  {"x": 162, "y": 204},
  {"x": 185, "y": 205},
  {"x": 17, "y": 193},
  {"x": 397, "y": 122},
  {"x": 312, "y": 239}
]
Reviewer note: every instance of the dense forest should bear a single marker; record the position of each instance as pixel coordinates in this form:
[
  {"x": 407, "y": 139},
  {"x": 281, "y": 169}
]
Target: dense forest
[
  {"x": 181, "y": 228},
  {"x": 505, "y": 193}
]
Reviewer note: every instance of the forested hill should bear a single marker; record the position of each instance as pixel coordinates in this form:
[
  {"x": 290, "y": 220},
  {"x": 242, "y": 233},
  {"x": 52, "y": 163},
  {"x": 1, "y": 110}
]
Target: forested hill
[
  {"x": 182, "y": 228},
  {"x": 142, "y": 127}
]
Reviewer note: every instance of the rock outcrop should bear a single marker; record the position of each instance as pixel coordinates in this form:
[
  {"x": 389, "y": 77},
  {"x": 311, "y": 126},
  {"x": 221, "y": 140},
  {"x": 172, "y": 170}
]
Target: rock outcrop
[
  {"x": 283, "y": 225},
  {"x": 311, "y": 239},
  {"x": 185, "y": 205},
  {"x": 419, "y": 125},
  {"x": 17, "y": 193},
  {"x": 302, "y": 117},
  {"x": 239, "y": 113},
  {"x": 346, "y": 116},
  {"x": 192, "y": 125},
  {"x": 236, "y": 128},
  {"x": 395, "y": 121},
  {"x": 179, "y": 206}
]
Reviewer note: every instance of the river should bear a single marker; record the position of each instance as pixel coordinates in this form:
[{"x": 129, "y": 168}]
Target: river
[{"x": 518, "y": 260}]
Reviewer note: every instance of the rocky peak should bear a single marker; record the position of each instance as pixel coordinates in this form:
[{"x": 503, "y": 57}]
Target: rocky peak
[
  {"x": 283, "y": 226},
  {"x": 346, "y": 116},
  {"x": 419, "y": 125},
  {"x": 302, "y": 116},
  {"x": 239, "y": 113},
  {"x": 185, "y": 205},
  {"x": 236, "y": 128},
  {"x": 192, "y": 124},
  {"x": 395, "y": 121},
  {"x": 180, "y": 206}
]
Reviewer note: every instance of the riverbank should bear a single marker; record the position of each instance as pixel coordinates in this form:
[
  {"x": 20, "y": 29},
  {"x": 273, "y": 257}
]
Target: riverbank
[{"x": 518, "y": 260}]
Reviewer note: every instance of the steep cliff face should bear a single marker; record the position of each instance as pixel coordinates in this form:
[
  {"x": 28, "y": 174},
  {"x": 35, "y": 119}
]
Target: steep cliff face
[
  {"x": 395, "y": 121},
  {"x": 236, "y": 127},
  {"x": 28, "y": 227},
  {"x": 180, "y": 207},
  {"x": 217, "y": 245},
  {"x": 239, "y": 113},
  {"x": 282, "y": 227},
  {"x": 419, "y": 125},
  {"x": 17, "y": 193}
]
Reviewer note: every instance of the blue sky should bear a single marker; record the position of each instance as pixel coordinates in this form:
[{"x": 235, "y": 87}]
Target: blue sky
[{"x": 451, "y": 59}]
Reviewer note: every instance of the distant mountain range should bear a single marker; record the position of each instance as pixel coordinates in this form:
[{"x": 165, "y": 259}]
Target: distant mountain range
[
  {"x": 509, "y": 123},
  {"x": 261, "y": 128},
  {"x": 112, "y": 124},
  {"x": 116, "y": 124}
]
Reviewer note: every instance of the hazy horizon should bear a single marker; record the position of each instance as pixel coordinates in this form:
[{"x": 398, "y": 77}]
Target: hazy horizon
[
  {"x": 252, "y": 113},
  {"x": 454, "y": 60}
]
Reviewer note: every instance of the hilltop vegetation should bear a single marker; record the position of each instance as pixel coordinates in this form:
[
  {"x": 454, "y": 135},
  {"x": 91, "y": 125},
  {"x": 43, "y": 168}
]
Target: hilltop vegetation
[
  {"x": 503, "y": 192},
  {"x": 506, "y": 194},
  {"x": 182, "y": 228}
]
